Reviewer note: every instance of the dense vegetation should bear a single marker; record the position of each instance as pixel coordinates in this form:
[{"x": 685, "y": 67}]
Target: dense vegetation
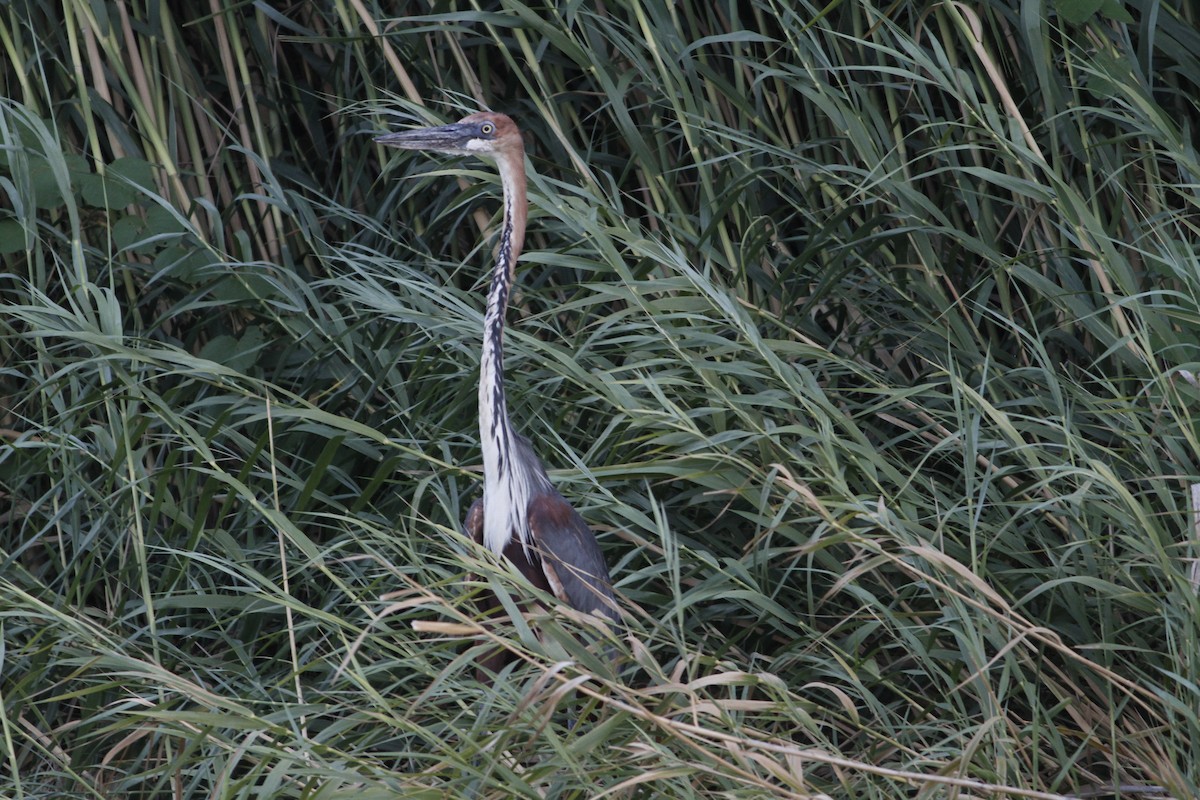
[{"x": 865, "y": 335}]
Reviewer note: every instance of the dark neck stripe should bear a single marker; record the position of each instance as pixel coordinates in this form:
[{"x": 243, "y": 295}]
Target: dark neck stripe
[{"x": 497, "y": 305}]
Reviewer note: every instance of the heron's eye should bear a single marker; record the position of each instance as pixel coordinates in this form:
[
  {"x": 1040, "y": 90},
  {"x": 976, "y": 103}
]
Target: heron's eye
[{"x": 487, "y": 129}]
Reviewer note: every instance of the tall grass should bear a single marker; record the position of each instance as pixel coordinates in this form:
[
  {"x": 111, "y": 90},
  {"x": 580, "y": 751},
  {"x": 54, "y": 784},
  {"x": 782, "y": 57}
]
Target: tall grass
[{"x": 862, "y": 334}]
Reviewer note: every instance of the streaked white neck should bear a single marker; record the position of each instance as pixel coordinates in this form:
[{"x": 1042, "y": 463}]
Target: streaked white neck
[{"x": 506, "y": 485}]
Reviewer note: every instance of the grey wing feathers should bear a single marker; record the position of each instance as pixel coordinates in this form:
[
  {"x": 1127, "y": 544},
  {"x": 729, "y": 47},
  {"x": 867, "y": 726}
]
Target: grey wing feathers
[{"x": 571, "y": 555}]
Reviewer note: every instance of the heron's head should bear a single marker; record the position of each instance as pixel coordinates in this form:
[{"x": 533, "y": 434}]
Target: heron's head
[{"x": 484, "y": 134}]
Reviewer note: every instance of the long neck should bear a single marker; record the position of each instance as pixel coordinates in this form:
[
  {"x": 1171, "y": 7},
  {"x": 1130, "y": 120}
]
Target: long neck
[{"x": 504, "y": 495}]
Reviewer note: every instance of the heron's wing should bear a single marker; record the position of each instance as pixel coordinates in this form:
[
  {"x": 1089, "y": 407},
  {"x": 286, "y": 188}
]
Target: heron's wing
[
  {"x": 570, "y": 556},
  {"x": 473, "y": 525}
]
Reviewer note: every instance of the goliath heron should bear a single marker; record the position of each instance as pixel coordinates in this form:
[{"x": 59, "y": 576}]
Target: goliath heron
[{"x": 521, "y": 516}]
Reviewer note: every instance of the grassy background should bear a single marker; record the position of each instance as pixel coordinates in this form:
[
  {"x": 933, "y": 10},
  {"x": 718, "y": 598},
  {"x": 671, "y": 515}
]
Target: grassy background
[{"x": 864, "y": 335}]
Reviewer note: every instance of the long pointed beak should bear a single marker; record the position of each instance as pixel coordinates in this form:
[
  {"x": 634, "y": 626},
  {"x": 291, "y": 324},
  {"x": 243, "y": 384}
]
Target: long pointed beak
[{"x": 443, "y": 139}]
